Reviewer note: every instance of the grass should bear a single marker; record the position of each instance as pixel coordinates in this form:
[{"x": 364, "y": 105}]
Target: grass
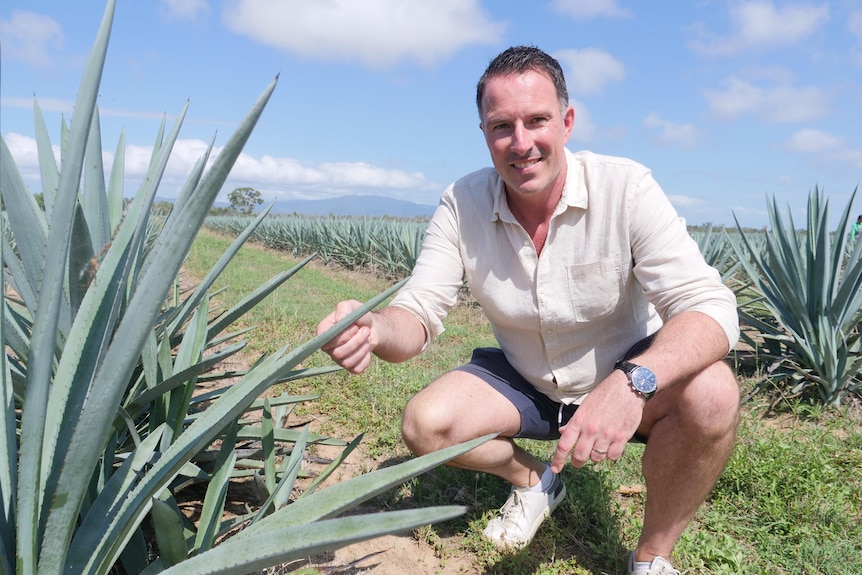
[{"x": 789, "y": 502}]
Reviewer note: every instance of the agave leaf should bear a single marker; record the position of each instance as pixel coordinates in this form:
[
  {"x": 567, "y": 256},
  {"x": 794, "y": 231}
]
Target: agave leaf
[
  {"x": 286, "y": 544},
  {"x": 115, "y": 188},
  {"x": 254, "y": 298},
  {"x": 168, "y": 526},
  {"x": 343, "y": 496},
  {"x": 336, "y": 462},
  {"x": 47, "y": 164},
  {"x": 279, "y": 491},
  {"x": 203, "y": 288},
  {"x": 33, "y": 508},
  {"x": 143, "y": 399},
  {"x": 94, "y": 200},
  {"x": 8, "y": 455},
  {"x": 214, "y": 500},
  {"x": 28, "y": 226}
]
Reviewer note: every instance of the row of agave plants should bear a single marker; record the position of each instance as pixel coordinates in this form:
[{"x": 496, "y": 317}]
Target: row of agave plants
[
  {"x": 799, "y": 287},
  {"x": 387, "y": 246},
  {"x": 102, "y": 417}
]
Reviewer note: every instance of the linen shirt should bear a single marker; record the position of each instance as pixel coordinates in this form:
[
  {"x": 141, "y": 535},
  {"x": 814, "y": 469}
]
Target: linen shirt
[{"x": 616, "y": 263}]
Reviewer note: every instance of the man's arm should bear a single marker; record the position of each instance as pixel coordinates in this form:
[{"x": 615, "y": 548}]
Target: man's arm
[
  {"x": 393, "y": 334},
  {"x": 610, "y": 415}
]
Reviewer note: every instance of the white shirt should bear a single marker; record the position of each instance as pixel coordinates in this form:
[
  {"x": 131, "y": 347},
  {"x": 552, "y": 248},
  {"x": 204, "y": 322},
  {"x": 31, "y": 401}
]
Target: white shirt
[{"x": 617, "y": 261}]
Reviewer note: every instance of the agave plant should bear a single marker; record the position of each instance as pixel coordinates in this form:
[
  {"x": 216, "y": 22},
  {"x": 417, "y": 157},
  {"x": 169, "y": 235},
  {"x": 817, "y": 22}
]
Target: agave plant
[
  {"x": 103, "y": 353},
  {"x": 810, "y": 287}
]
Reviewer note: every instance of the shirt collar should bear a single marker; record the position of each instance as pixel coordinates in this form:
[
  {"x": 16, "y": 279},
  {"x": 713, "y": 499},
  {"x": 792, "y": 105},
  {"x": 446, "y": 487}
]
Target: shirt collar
[{"x": 574, "y": 192}]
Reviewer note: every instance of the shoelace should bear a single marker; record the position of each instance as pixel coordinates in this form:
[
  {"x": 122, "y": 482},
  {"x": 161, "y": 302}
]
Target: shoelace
[{"x": 510, "y": 511}]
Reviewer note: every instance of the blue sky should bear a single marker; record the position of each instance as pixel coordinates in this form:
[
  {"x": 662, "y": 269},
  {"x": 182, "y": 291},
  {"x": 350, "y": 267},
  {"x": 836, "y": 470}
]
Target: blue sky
[{"x": 728, "y": 102}]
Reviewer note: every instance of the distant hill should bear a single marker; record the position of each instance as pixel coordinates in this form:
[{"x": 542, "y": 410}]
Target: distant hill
[{"x": 355, "y": 206}]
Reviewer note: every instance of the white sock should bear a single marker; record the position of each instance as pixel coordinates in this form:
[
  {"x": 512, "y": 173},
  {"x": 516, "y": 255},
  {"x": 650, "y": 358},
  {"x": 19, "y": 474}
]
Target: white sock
[
  {"x": 642, "y": 564},
  {"x": 545, "y": 481}
]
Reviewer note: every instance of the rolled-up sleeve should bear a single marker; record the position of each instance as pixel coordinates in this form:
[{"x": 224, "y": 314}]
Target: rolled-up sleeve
[{"x": 438, "y": 275}]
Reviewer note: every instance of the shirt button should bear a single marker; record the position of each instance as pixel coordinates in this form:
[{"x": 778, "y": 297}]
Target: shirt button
[
  {"x": 526, "y": 243},
  {"x": 549, "y": 331},
  {"x": 555, "y": 361}
]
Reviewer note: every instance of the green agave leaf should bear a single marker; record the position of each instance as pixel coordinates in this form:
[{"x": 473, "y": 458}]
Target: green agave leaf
[
  {"x": 33, "y": 507},
  {"x": 255, "y": 297},
  {"x": 28, "y": 226},
  {"x": 336, "y": 462},
  {"x": 94, "y": 198},
  {"x": 214, "y": 500},
  {"x": 168, "y": 527},
  {"x": 115, "y": 188},
  {"x": 279, "y": 492},
  {"x": 343, "y": 496},
  {"x": 8, "y": 454},
  {"x": 203, "y": 288},
  {"x": 47, "y": 164},
  {"x": 285, "y": 544}
]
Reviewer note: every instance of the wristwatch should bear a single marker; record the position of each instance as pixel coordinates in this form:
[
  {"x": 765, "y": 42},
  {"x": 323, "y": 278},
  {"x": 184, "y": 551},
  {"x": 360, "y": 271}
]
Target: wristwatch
[{"x": 641, "y": 379}]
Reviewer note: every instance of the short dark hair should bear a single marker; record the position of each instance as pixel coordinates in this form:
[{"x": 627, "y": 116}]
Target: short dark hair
[{"x": 521, "y": 59}]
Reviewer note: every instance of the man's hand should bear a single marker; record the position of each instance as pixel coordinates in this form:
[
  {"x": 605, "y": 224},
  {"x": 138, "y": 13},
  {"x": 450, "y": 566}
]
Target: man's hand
[
  {"x": 351, "y": 349},
  {"x": 602, "y": 424}
]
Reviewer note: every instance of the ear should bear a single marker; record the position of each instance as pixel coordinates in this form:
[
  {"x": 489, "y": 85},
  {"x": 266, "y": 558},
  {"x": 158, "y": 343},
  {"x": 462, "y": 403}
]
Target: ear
[{"x": 568, "y": 121}]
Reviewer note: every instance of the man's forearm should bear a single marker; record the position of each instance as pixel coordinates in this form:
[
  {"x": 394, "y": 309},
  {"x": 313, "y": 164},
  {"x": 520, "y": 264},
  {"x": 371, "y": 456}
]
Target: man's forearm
[{"x": 397, "y": 334}]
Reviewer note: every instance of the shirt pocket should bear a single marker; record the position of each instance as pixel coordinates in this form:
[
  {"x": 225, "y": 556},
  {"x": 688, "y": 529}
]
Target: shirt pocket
[{"x": 595, "y": 288}]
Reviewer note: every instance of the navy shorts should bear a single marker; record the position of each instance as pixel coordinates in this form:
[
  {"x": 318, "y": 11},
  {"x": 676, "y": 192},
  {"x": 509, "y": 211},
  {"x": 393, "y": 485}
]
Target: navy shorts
[{"x": 541, "y": 416}]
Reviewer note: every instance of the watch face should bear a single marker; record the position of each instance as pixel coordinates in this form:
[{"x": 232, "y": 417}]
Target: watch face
[{"x": 643, "y": 380}]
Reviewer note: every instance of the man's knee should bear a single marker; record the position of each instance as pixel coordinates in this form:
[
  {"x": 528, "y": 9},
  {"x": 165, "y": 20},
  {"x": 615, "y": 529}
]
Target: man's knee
[
  {"x": 712, "y": 398},
  {"x": 424, "y": 424},
  {"x": 706, "y": 405}
]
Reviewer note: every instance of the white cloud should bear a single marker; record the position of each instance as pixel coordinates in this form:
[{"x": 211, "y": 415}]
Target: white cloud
[
  {"x": 30, "y": 37},
  {"x": 334, "y": 178},
  {"x": 183, "y": 9},
  {"x": 824, "y": 147},
  {"x": 589, "y": 70},
  {"x": 671, "y": 133},
  {"x": 378, "y": 33},
  {"x": 778, "y": 103},
  {"x": 587, "y": 9},
  {"x": 762, "y": 24},
  {"x": 810, "y": 141}
]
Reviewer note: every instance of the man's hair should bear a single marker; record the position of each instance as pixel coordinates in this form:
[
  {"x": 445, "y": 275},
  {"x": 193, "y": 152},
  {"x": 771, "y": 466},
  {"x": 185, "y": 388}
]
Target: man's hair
[{"x": 519, "y": 60}]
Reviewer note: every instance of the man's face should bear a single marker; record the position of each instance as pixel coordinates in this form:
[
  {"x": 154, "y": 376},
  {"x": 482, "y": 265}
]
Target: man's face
[{"x": 526, "y": 131}]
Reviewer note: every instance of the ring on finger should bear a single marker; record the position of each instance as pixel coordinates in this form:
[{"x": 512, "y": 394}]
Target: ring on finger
[{"x": 600, "y": 451}]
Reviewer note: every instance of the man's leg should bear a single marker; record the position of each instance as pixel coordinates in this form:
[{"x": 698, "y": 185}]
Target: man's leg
[
  {"x": 691, "y": 429},
  {"x": 461, "y": 406},
  {"x": 458, "y": 407}
]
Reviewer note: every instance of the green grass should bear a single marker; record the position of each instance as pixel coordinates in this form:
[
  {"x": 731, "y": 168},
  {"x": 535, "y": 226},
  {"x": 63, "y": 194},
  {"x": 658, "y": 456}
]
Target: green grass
[{"x": 789, "y": 502}]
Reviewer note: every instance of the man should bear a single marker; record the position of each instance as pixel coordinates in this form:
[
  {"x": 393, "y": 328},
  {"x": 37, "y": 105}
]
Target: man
[
  {"x": 579, "y": 261},
  {"x": 855, "y": 229}
]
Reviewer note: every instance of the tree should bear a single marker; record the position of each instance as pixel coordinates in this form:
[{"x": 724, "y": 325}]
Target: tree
[{"x": 244, "y": 200}]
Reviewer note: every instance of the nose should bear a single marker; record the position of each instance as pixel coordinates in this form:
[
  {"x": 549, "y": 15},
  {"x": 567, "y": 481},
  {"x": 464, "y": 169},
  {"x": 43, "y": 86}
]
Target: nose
[{"x": 521, "y": 142}]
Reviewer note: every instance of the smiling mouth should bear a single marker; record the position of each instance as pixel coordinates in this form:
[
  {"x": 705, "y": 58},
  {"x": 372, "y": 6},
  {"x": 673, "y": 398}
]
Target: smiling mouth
[{"x": 526, "y": 164}]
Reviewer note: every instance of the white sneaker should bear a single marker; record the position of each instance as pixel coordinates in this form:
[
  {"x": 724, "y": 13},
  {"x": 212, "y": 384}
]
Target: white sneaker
[
  {"x": 658, "y": 566},
  {"x": 522, "y": 514}
]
